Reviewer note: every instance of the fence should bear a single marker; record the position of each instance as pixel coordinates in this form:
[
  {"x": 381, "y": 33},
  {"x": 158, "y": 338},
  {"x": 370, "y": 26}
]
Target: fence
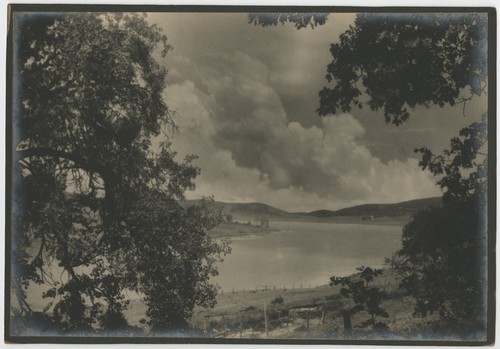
[
  {"x": 299, "y": 286},
  {"x": 258, "y": 321},
  {"x": 270, "y": 287},
  {"x": 262, "y": 320}
]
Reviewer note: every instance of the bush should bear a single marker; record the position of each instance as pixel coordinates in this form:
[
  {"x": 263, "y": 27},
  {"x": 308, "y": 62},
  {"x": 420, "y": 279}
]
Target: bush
[{"x": 277, "y": 300}]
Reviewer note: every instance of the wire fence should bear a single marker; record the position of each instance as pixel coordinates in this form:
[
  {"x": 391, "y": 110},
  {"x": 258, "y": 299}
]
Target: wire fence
[
  {"x": 298, "y": 286},
  {"x": 269, "y": 288},
  {"x": 260, "y": 322},
  {"x": 265, "y": 320}
]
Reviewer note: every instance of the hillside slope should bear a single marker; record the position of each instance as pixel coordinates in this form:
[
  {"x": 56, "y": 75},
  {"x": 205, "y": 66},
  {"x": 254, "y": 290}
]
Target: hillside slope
[
  {"x": 253, "y": 210},
  {"x": 405, "y": 208}
]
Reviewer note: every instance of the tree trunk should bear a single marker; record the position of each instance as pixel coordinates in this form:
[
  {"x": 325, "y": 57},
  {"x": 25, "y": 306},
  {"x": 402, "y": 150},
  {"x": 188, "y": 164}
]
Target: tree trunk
[{"x": 347, "y": 324}]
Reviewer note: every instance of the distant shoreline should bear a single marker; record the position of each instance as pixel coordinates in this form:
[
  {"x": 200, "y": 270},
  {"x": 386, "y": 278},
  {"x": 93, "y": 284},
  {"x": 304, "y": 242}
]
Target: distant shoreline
[{"x": 237, "y": 229}]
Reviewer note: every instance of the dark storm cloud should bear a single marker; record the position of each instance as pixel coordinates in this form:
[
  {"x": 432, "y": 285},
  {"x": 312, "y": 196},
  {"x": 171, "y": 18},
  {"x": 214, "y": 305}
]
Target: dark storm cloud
[
  {"x": 250, "y": 151},
  {"x": 252, "y": 125},
  {"x": 246, "y": 98},
  {"x": 296, "y": 59}
]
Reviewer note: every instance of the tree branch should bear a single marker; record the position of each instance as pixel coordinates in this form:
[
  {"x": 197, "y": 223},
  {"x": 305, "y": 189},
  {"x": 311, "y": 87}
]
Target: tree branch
[{"x": 81, "y": 161}]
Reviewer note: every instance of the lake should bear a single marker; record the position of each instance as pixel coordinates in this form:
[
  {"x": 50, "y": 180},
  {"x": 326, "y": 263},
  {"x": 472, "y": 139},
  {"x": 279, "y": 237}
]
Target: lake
[{"x": 305, "y": 253}]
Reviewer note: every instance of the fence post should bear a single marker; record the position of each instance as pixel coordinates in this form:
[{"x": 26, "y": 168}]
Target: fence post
[
  {"x": 241, "y": 325},
  {"x": 223, "y": 327},
  {"x": 265, "y": 320}
]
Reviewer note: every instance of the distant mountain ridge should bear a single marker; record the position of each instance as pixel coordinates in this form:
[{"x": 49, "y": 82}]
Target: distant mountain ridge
[
  {"x": 388, "y": 210},
  {"x": 256, "y": 209}
]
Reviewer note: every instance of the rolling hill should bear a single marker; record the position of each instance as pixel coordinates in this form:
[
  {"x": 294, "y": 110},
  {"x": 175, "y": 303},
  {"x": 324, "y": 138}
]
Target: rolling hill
[
  {"x": 405, "y": 208},
  {"x": 255, "y": 209}
]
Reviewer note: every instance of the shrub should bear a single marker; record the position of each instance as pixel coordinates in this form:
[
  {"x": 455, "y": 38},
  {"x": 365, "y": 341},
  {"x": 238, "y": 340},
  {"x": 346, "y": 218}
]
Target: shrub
[{"x": 277, "y": 300}]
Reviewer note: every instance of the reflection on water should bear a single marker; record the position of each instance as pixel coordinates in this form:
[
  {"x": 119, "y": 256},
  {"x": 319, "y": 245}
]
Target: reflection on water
[{"x": 305, "y": 253}]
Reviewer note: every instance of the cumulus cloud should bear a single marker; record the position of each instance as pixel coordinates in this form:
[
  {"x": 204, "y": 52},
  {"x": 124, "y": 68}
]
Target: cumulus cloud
[
  {"x": 231, "y": 116},
  {"x": 246, "y": 99}
]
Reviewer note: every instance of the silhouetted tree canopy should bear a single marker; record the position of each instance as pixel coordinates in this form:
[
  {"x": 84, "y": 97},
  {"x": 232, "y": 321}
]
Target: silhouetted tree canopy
[
  {"x": 443, "y": 262},
  {"x": 96, "y": 206},
  {"x": 299, "y": 20},
  {"x": 395, "y": 62},
  {"x": 444, "y": 254},
  {"x": 403, "y": 61}
]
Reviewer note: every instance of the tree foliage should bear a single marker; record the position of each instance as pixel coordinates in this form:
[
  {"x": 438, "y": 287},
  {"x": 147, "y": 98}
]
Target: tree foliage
[
  {"x": 409, "y": 60},
  {"x": 299, "y": 20},
  {"x": 364, "y": 297},
  {"x": 444, "y": 254},
  {"x": 406, "y": 60},
  {"x": 94, "y": 199},
  {"x": 463, "y": 168}
]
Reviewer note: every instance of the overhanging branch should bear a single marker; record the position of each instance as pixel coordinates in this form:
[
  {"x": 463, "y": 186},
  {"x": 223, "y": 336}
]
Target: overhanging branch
[{"x": 79, "y": 160}]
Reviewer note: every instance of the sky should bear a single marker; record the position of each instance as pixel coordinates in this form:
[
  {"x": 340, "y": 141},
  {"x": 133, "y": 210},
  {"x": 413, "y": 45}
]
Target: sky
[{"x": 245, "y": 100}]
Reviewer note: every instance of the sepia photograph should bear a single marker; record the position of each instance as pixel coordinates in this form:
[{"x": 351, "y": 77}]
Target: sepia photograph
[{"x": 250, "y": 175}]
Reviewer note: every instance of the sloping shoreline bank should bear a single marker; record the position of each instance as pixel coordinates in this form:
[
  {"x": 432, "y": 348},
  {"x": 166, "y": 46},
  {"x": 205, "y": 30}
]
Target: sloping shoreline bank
[{"x": 237, "y": 229}]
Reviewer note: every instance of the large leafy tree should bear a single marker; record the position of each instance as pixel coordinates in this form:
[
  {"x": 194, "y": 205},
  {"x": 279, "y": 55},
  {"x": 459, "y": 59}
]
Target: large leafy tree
[
  {"x": 298, "y": 19},
  {"x": 94, "y": 201},
  {"x": 395, "y": 62},
  {"x": 400, "y": 61},
  {"x": 444, "y": 254}
]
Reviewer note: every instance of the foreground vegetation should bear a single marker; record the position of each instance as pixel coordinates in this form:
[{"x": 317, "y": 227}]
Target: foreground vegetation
[
  {"x": 317, "y": 313},
  {"x": 310, "y": 313},
  {"x": 92, "y": 195}
]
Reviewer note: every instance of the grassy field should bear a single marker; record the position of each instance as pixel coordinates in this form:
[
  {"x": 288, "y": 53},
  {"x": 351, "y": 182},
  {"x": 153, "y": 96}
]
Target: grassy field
[
  {"x": 307, "y": 313},
  {"x": 316, "y": 313}
]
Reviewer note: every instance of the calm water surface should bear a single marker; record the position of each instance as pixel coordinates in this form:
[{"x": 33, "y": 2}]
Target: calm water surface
[{"x": 305, "y": 253}]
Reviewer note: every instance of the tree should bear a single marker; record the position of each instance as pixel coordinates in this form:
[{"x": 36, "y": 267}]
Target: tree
[
  {"x": 364, "y": 297},
  {"x": 443, "y": 258},
  {"x": 406, "y": 60},
  {"x": 93, "y": 198},
  {"x": 403, "y": 61},
  {"x": 299, "y": 20}
]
